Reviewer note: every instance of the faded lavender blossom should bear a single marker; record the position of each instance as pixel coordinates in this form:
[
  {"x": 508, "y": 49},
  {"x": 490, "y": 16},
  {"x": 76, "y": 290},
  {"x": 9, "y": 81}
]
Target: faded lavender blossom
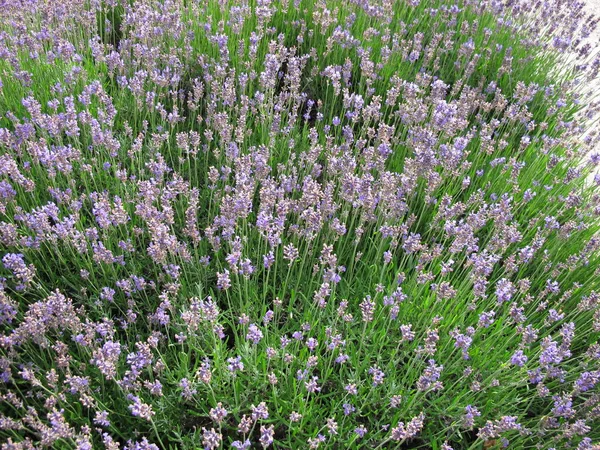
[
  {"x": 254, "y": 334},
  {"x": 312, "y": 385},
  {"x": 187, "y": 391},
  {"x": 223, "y": 281},
  {"x": 140, "y": 409},
  {"x": 235, "y": 364},
  {"x": 211, "y": 439},
  {"x": 471, "y": 413},
  {"x": 218, "y": 413},
  {"x": 332, "y": 426},
  {"x": 377, "y": 375},
  {"x": 395, "y": 401},
  {"x": 260, "y": 412},
  {"x": 266, "y": 435},
  {"x": 245, "y": 424},
  {"x": 204, "y": 373},
  {"x": 407, "y": 332},
  {"x": 367, "y": 308},
  {"x": 403, "y": 432},
  {"x": 241, "y": 445},
  {"x": 290, "y": 253}
]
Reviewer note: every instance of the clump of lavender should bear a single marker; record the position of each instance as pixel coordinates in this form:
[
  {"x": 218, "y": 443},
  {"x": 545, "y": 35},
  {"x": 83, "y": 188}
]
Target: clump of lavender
[{"x": 299, "y": 224}]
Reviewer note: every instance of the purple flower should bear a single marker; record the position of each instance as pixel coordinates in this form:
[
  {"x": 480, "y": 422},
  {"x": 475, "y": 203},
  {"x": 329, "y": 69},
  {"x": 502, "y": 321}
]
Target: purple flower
[
  {"x": 430, "y": 377},
  {"x": 101, "y": 419},
  {"x": 504, "y": 290},
  {"x": 268, "y": 317},
  {"x": 15, "y": 262},
  {"x": 563, "y": 406},
  {"x": 259, "y": 412},
  {"x": 235, "y": 364},
  {"x": 360, "y": 431},
  {"x": 342, "y": 358},
  {"x": 106, "y": 358},
  {"x": 367, "y": 308},
  {"x": 587, "y": 381},
  {"x": 266, "y": 435},
  {"x": 407, "y": 333},
  {"x": 518, "y": 358},
  {"x": 312, "y": 385},
  {"x": 254, "y": 334},
  {"x": 462, "y": 341},
  {"x": 223, "y": 281},
  {"x": 218, "y": 413},
  {"x": 290, "y": 253},
  {"x": 268, "y": 260},
  {"x": 471, "y": 412},
  {"x": 551, "y": 353},
  {"x": 413, "y": 428},
  {"x": 348, "y": 409},
  {"x": 486, "y": 319},
  {"x": 140, "y": 409},
  {"x": 107, "y": 294},
  {"x": 377, "y": 375},
  {"x": 211, "y": 439},
  {"x": 187, "y": 391},
  {"x": 332, "y": 427}
]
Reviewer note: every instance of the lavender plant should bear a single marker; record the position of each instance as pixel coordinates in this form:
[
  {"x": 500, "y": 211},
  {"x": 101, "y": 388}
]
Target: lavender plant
[{"x": 298, "y": 224}]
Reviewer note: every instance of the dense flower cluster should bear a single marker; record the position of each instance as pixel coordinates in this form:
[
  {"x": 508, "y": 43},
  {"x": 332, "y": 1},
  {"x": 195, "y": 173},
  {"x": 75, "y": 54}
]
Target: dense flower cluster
[{"x": 298, "y": 224}]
